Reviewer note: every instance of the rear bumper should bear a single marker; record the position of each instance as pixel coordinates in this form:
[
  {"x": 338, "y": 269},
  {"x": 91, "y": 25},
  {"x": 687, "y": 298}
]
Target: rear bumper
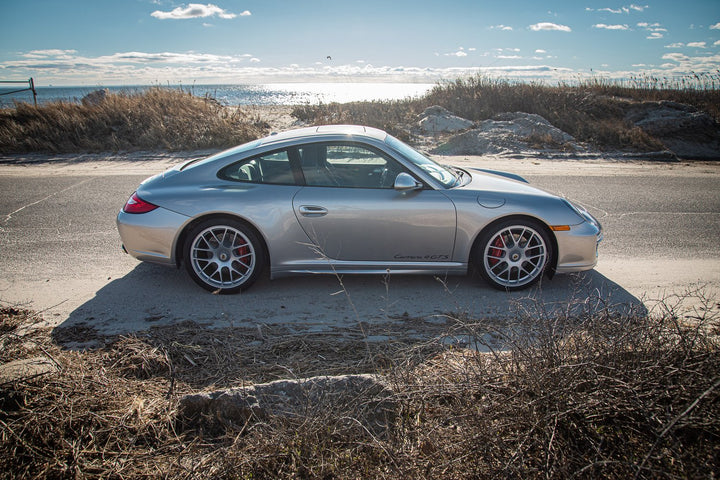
[{"x": 151, "y": 236}]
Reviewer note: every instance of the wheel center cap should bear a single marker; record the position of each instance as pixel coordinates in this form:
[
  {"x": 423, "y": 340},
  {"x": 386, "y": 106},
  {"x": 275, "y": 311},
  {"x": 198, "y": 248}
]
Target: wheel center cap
[
  {"x": 515, "y": 257},
  {"x": 223, "y": 257}
]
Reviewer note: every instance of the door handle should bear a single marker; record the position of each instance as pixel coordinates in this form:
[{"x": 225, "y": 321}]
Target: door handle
[{"x": 312, "y": 211}]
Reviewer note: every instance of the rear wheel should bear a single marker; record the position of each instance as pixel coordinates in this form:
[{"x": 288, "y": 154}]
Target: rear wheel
[
  {"x": 513, "y": 254},
  {"x": 223, "y": 255}
]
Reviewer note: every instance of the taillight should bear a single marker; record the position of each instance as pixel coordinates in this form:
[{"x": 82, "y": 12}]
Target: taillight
[{"x": 136, "y": 204}]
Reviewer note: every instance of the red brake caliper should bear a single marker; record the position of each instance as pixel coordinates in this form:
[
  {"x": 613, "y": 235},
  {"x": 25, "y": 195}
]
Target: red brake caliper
[{"x": 495, "y": 252}]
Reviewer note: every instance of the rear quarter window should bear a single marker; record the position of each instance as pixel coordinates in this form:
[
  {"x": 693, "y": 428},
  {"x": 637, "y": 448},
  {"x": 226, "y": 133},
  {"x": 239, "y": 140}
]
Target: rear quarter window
[{"x": 271, "y": 168}]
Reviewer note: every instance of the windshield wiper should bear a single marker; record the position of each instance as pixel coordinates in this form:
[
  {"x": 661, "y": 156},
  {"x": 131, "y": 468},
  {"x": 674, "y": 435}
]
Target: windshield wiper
[{"x": 457, "y": 173}]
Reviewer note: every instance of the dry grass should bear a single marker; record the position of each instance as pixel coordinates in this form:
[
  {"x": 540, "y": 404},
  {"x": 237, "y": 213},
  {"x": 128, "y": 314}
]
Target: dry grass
[
  {"x": 592, "y": 111},
  {"x": 159, "y": 118},
  {"x": 569, "y": 396},
  {"x": 163, "y": 118}
]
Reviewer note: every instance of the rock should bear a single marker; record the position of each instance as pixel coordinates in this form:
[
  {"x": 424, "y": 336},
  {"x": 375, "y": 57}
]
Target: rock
[
  {"x": 508, "y": 133},
  {"x": 683, "y": 129},
  {"x": 436, "y": 119},
  {"x": 26, "y": 368},
  {"x": 96, "y": 97},
  {"x": 526, "y": 125},
  {"x": 361, "y": 397}
]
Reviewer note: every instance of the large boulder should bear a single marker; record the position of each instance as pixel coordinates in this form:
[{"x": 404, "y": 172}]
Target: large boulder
[
  {"x": 364, "y": 398},
  {"x": 683, "y": 129},
  {"x": 508, "y": 133},
  {"x": 437, "y": 119}
]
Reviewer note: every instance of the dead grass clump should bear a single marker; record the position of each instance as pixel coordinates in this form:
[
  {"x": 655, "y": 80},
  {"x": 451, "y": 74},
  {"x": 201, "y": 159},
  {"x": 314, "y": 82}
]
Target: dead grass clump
[
  {"x": 158, "y": 118},
  {"x": 606, "y": 397},
  {"x": 583, "y": 393}
]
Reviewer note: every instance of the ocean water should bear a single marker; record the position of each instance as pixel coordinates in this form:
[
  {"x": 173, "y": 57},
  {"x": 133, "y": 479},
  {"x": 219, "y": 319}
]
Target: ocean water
[{"x": 265, "y": 94}]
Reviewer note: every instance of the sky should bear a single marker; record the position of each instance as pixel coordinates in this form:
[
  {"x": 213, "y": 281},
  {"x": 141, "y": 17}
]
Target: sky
[{"x": 136, "y": 42}]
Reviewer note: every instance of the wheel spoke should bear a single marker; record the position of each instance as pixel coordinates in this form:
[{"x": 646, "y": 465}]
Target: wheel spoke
[
  {"x": 505, "y": 269},
  {"x": 515, "y": 256},
  {"x": 222, "y": 256}
]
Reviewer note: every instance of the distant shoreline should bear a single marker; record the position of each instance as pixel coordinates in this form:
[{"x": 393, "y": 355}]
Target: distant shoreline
[{"x": 288, "y": 93}]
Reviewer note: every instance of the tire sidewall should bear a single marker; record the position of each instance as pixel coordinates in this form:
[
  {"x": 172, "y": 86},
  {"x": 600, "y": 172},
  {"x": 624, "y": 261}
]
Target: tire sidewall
[
  {"x": 231, "y": 223},
  {"x": 490, "y": 233}
]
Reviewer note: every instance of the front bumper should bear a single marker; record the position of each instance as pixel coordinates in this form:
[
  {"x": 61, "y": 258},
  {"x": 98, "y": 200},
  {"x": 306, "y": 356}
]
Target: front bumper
[{"x": 578, "y": 247}]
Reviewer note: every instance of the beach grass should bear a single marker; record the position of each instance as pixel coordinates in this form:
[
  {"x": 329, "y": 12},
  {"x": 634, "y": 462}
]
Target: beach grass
[
  {"x": 593, "y": 111},
  {"x": 156, "y": 119},
  {"x": 596, "y": 395}
]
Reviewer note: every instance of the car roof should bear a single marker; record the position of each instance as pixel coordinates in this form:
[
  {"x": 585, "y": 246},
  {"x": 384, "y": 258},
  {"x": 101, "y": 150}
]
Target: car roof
[{"x": 324, "y": 131}]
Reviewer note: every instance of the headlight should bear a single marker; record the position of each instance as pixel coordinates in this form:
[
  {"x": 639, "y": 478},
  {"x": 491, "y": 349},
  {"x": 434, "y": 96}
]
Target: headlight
[{"x": 584, "y": 214}]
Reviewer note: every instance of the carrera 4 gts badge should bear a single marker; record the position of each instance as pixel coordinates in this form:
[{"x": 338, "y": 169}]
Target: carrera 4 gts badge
[{"x": 421, "y": 257}]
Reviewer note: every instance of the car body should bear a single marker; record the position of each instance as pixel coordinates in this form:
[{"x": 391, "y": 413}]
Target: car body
[{"x": 350, "y": 199}]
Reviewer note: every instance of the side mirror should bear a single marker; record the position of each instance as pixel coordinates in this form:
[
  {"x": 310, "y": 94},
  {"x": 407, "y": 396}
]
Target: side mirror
[{"x": 406, "y": 183}]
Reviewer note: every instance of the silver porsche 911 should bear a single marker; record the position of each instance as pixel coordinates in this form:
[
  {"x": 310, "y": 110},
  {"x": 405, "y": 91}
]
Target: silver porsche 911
[{"x": 350, "y": 199}]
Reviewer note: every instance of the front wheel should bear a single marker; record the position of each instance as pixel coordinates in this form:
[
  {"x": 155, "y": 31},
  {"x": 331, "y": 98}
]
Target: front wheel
[
  {"x": 223, "y": 255},
  {"x": 513, "y": 254}
]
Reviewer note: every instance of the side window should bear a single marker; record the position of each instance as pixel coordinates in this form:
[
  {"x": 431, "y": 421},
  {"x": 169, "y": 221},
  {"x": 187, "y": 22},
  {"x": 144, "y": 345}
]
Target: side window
[
  {"x": 347, "y": 165},
  {"x": 271, "y": 167}
]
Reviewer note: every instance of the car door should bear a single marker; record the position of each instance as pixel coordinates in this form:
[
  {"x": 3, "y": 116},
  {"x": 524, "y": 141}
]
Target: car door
[{"x": 351, "y": 212}]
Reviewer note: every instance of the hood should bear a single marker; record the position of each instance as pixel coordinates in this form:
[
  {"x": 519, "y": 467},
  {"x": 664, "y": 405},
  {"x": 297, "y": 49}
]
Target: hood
[{"x": 500, "y": 183}]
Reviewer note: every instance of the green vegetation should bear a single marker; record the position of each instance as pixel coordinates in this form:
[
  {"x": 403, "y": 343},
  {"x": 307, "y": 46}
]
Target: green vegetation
[{"x": 590, "y": 395}]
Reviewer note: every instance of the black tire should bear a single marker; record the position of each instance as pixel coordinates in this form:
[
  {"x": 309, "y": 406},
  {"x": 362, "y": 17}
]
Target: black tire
[
  {"x": 223, "y": 255},
  {"x": 513, "y": 254}
]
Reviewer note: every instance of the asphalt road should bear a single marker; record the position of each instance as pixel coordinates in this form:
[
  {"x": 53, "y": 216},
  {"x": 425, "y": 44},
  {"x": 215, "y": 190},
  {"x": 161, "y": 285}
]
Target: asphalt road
[{"x": 61, "y": 253}]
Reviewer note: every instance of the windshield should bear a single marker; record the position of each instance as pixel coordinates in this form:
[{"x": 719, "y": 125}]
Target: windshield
[{"x": 440, "y": 173}]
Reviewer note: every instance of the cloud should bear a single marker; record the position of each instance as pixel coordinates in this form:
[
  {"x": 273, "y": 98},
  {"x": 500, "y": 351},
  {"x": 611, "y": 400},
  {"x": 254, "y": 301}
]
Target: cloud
[
  {"x": 675, "y": 45},
  {"x": 625, "y": 9},
  {"x": 652, "y": 26},
  {"x": 611, "y": 27},
  {"x": 716, "y": 43},
  {"x": 135, "y": 67},
  {"x": 686, "y": 64},
  {"x": 501, "y": 27},
  {"x": 196, "y": 10},
  {"x": 676, "y": 57},
  {"x": 697, "y": 44},
  {"x": 52, "y": 52},
  {"x": 715, "y": 27},
  {"x": 656, "y": 30},
  {"x": 67, "y": 67},
  {"x": 460, "y": 53},
  {"x": 549, "y": 26}
]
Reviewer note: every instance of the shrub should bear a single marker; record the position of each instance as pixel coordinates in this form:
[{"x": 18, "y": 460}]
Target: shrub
[{"x": 578, "y": 393}]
